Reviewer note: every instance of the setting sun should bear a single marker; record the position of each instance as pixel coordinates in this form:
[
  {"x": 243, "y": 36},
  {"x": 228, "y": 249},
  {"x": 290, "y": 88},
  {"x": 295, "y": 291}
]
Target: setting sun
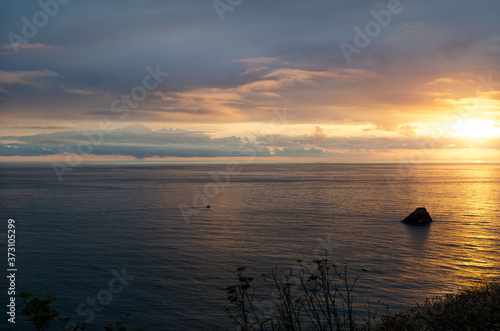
[{"x": 476, "y": 128}]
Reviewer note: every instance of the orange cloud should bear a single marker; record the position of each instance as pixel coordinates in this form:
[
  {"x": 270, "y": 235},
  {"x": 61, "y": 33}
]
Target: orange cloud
[
  {"x": 251, "y": 100},
  {"x": 446, "y": 80}
]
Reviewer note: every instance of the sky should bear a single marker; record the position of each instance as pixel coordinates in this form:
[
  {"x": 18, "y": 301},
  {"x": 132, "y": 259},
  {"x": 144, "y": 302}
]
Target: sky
[{"x": 250, "y": 80}]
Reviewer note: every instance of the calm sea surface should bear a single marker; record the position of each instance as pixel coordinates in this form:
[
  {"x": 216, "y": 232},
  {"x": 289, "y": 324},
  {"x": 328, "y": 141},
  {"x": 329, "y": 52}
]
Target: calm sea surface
[{"x": 70, "y": 236}]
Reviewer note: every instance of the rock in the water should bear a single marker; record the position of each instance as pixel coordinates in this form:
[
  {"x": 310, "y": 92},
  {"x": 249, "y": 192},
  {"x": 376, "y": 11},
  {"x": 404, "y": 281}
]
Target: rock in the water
[{"x": 419, "y": 217}]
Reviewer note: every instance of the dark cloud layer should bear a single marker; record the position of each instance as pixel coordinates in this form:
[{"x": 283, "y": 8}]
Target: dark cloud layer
[
  {"x": 141, "y": 142},
  {"x": 137, "y": 141}
]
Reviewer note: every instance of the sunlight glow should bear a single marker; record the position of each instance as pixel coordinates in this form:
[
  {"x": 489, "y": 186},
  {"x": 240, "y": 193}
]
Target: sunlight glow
[{"x": 475, "y": 128}]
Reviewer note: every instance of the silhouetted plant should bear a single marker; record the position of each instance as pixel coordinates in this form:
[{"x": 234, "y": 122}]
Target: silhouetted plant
[
  {"x": 242, "y": 298},
  {"x": 119, "y": 325},
  {"x": 317, "y": 299},
  {"x": 476, "y": 307},
  {"x": 38, "y": 311}
]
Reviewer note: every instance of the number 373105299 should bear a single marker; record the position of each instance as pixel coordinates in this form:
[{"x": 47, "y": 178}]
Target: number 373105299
[{"x": 11, "y": 240}]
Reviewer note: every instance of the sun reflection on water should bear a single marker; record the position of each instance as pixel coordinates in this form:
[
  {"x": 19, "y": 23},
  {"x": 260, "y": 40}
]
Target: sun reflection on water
[{"x": 464, "y": 240}]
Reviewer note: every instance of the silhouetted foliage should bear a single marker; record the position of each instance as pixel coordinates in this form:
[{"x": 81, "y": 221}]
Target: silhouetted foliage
[
  {"x": 317, "y": 299},
  {"x": 474, "y": 308},
  {"x": 322, "y": 299},
  {"x": 39, "y": 312}
]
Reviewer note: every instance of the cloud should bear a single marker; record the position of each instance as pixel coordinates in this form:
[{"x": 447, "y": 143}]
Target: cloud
[
  {"x": 258, "y": 60},
  {"x": 264, "y": 56},
  {"x": 10, "y": 49},
  {"x": 407, "y": 141},
  {"x": 39, "y": 127},
  {"x": 27, "y": 150},
  {"x": 136, "y": 140},
  {"x": 415, "y": 28},
  {"x": 141, "y": 142},
  {"x": 446, "y": 80},
  {"x": 252, "y": 100},
  {"x": 79, "y": 91},
  {"x": 259, "y": 65},
  {"x": 300, "y": 152},
  {"x": 407, "y": 130},
  {"x": 298, "y": 75},
  {"x": 24, "y": 77}
]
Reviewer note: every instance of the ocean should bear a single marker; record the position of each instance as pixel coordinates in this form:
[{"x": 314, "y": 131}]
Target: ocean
[{"x": 112, "y": 239}]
